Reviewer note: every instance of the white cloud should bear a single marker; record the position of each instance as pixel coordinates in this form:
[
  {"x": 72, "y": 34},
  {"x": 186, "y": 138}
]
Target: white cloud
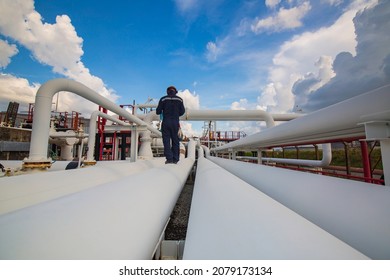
[
  {"x": 185, "y": 6},
  {"x": 298, "y": 59},
  {"x": 272, "y": 3},
  {"x": 6, "y": 52},
  {"x": 368, "y": 69},
  {"x": 332, "y": 2},
  {"x": 283, "y": 20},
  {"x": 191, "y": 100},
  {"x": 212, "y": 51},
  {"x": 240, "y": 105},
  {"x": 16, "y": 90},
  {"x": 56, "y": 45},
  {"x": 188, "y": 130}
]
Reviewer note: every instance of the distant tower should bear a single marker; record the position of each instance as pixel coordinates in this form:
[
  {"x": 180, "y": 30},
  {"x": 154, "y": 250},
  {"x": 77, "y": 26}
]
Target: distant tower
[{"x": 12, "y": 112}]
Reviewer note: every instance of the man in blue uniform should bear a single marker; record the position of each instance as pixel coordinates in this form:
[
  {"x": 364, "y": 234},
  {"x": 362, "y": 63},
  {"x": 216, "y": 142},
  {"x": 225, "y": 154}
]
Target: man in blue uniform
[{"x": 171, "y": 107}]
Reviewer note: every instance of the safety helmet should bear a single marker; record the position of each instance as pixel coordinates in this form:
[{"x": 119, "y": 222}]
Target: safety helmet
[{"x": 171, "y": 90}]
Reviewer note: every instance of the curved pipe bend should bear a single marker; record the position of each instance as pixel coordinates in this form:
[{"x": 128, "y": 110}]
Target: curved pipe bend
[
  {"x": 325, "y": 161},
  {"x": 43, "y": 101}
]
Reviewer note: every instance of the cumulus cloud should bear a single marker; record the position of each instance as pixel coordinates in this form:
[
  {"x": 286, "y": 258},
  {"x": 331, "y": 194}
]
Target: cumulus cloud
[
  {"x": 313, "y": 81},
  {"x": 191, "y": 100},
  {"x": 272, "y": 3},
  {"x": 56, "y": 45},
  {"x": 283, "y": 20},
  {"x": 18, "y": 90},
  {"x": 6, "y": 52},
  {"x": 368, "y": 69},
  {"x": 306, "y": 59}
]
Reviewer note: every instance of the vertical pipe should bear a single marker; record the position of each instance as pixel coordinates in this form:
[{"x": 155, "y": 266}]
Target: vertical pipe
[
  {"x": 366, "y": 161},
  {"x": 134, "y": 145},
  {"x": 259, "y": 156}
]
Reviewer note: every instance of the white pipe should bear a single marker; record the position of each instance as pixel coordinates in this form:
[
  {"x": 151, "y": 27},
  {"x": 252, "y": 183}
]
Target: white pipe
[
  {"x": 200, "y": 152},
  {"x": 355, "y": 212},
  {"x": 230, "y": 219},
  {"x": 191, "y": 149},
  {"x": 118, "y": 220},
  {"x": 226, "y": 115},
  {"x": 43, "y": 102},
  {"x": 18, "y": 192},
  {"x": 334, "y": 122},
  {"x": 232, "y": 115},
  {"x": 145, "y": 149},
  {"x": 325, "y": 161},
  {"x": 206, "y": 150}
]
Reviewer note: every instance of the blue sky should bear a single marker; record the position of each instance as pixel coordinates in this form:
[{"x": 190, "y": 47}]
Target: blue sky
[{"x": 273, "y": 55}]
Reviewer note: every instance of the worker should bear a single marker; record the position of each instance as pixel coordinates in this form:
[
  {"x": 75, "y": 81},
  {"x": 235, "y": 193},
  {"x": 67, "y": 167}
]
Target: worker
[{"x": 171, "y": 107}]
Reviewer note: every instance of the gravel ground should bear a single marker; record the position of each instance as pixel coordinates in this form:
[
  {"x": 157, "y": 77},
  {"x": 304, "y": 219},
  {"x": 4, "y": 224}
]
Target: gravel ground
[{"x": 177, "y": 226}]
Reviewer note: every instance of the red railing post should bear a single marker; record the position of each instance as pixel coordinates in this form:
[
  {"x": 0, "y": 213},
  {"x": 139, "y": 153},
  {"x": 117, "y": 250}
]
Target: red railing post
[{"x": 366, "y": 161}]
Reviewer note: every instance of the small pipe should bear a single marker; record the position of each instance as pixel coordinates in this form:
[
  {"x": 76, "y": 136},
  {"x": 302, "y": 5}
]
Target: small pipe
[{"x": 325, "y": 161}]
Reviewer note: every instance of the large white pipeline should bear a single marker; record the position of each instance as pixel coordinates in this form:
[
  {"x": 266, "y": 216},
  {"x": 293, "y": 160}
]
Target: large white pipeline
[
  {"x": 355, "y": 212},
  {"x": 17, "y": 192},
  {"x": 230, "y": 219},
  {"x": 225, "y": 115},
  {"x": 237, "y": 115},
  {"x": 43, "y": 103},
  {"x": 341, "y": 120},
  {"x": 122, "y": 219}
]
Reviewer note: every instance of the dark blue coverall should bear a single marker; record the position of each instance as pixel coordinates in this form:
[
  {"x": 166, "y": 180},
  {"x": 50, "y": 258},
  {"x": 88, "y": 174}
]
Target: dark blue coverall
[{"x": 172, "y": 107}]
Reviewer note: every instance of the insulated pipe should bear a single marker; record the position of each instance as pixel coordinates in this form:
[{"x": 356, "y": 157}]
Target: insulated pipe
[
  {"x": 122, "y": 219},
  {"x": 229, "y": 115},
  {"x": 200, "y": 152},
  {"x": 230, "y": 219},
  {"x": 145, "y": 150},
  {"x": 325, "y": 161},
  {"x": 340, "y": 120},
  {"x": 355, "y": 212},
  {"x": 206, "y": 150},
  {"x": 232, "y": 115},
  {"x": 18, "y": 192},
  {"x": 191, "y": 149},
  {"x": 92, "y": 131},
  {"x": 41, "y": 120}
]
